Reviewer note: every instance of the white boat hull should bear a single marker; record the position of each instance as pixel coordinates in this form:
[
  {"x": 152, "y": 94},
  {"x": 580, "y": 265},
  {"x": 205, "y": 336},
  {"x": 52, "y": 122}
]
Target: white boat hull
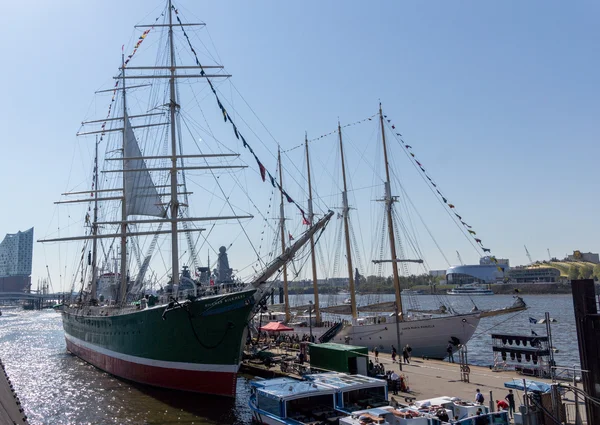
[{"x": 427, "y": 337}]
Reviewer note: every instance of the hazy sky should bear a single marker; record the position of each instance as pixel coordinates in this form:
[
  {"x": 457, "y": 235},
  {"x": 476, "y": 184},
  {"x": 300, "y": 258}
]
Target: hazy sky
[{"x": 498, "y": 99}]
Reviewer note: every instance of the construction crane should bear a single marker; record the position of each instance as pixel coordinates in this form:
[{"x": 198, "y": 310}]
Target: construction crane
[
  {"x": 459, "y": 258},
  {"x": 528, "y": 256},
  {"x": 549, "y": 256}
]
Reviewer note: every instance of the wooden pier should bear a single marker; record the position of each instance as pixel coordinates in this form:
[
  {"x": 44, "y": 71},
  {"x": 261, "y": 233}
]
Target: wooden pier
[{"x": 11, "y": 411}]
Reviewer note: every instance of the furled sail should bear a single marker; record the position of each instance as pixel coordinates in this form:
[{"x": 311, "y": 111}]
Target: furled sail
[{"x": 140, "y": 192}]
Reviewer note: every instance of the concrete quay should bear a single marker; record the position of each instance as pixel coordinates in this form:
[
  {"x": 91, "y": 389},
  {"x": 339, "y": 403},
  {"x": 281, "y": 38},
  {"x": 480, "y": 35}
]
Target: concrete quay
[
  {"x": 11, "y": 411},
  {"x": 435, "y": 378},
  {"x": 427, "y": 379}
]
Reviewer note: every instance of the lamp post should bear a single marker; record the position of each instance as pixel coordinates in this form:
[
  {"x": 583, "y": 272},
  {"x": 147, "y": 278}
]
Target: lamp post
[{"x": 310, "y": 304}]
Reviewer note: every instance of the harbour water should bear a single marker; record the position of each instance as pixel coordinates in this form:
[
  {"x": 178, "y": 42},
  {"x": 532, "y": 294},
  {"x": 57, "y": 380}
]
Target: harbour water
[{"x": 58, "y": 388}]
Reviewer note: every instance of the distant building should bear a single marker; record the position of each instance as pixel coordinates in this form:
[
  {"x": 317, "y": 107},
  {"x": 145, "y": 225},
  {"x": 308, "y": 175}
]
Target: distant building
[
  {"x": 483, "y": 274},
  {"x": 437, "y": 273},
  {"x": 16, "y": 253},
  {"x": 584, "y": 256},
  {"x": 487, "y": 271},
  {"x": 533, "y": 274}
]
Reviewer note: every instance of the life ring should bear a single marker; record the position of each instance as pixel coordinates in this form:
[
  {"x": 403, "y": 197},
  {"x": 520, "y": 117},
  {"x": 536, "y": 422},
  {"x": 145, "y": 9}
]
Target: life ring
[{"x": 466, "y": 369}]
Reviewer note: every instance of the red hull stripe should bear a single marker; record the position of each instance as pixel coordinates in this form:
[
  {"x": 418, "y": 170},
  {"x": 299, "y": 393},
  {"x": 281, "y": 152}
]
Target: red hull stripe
[
  {"x": 201, "y": 381},
  {"x": 201, "y": 367}
]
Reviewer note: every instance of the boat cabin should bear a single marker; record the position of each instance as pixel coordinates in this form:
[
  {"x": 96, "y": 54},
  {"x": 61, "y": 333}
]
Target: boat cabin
[
  {"x": 353, "y": 392},
  {"x": 286, "y": 400}
]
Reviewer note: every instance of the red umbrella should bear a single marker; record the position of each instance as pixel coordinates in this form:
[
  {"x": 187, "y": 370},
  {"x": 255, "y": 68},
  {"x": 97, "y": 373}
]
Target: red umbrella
[{"x": 275, "y": 327}]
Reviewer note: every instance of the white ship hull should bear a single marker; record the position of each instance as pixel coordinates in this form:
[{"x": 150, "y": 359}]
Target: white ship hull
[{"x": 427, "y": 337}]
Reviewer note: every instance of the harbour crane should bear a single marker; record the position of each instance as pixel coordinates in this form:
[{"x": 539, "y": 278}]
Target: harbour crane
[
  {"x": 528, "y": 255},
  {"x": 549, "y": 256}
]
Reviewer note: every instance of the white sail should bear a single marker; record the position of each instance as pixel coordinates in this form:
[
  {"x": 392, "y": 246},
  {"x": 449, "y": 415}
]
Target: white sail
[{"x": 140, "y": 192}]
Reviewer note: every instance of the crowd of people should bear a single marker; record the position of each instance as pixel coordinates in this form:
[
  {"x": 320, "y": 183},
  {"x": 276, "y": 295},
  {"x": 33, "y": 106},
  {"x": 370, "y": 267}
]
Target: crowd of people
[{"x": 288, "y": 338}]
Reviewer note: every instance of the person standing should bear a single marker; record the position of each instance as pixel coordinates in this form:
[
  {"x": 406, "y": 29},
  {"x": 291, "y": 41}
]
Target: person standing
[
  {"x": 376, "y": 355},
  {"x": 510, "y": 397},
  {"x": 450, "y": 352},
  {"x": 394, "y": 354},
  {"x": 479, "y": 397},
  {"x": 405, "y": 354},
  {"x": 394, "y": 378}
]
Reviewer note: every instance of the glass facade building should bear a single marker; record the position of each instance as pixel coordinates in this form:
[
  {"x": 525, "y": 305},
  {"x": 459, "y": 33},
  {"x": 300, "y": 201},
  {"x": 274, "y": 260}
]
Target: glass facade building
[
  {"x": 467, "y": 274},
  {"x": 16, "y": 254}
]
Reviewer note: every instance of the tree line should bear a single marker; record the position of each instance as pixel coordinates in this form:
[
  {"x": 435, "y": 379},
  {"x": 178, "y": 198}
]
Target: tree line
[{"x": 584, "y": 271}]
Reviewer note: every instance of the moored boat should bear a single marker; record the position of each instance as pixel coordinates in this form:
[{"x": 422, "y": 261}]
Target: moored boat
[
  {"x": 428, "y": 335},
  {"x": 191, "y": 346},
  {"x": 190, "y": 335},
  {"x": 470, "y": 289},
  {"x": 353, "y": 392},
  {"x": 289, "y": 401}
]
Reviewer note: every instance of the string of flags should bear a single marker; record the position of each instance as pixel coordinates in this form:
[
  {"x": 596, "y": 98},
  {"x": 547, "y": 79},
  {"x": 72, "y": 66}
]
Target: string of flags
[
  {"x": 135, "y": 49},
  {"x": 451, "y": 206},
  {"x": 264, "y": 173},
  {"x": 116, "y": 86},
  {"x": 333, "y": 132}
]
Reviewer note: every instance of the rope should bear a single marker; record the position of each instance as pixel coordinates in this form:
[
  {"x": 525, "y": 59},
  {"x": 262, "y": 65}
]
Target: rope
[
  {"x": 229, "y": 325},
  {"x": 497, "y": 324}
]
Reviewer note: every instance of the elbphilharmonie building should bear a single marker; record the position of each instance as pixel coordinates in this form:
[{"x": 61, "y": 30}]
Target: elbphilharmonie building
[{"x": 16, "y": 253}]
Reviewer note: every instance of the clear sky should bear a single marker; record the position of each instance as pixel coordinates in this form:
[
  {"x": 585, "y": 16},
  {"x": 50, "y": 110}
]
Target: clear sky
[{"x": 498, "y": 99}]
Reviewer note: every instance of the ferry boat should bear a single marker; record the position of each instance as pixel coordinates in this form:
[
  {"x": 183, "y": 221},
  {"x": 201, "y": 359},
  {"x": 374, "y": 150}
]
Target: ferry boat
[
  {"x": 320, "y": 398},
  {"x": 353, "y": 392},
  {"x": 289, "y": 401},
  {"x": 470, "y": 289}
]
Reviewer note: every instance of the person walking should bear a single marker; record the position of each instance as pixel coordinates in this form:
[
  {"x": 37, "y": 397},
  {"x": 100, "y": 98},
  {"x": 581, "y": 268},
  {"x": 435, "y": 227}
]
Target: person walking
[
  {"x": 449, "y": 350},
  {"x": 405, "y": 355},
  {"x": 376, "y": 355},
  {"x": 394, "y": 354},
  {"x": 510, "y": 397}
]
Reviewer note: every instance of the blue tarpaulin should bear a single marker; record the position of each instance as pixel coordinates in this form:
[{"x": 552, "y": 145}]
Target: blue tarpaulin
[{"x": 534, "y": 386}]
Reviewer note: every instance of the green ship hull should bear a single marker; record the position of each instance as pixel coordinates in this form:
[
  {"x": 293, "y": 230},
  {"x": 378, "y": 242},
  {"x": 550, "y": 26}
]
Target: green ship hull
[{"x": 193, "y": 346}]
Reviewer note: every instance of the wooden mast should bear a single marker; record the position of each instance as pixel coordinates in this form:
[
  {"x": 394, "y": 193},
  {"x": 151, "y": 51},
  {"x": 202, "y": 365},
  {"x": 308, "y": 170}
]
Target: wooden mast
[
  {"x": 286, "y": 298},
  {"x": 174, "y": 201},
  {"x": 312, "y": 239},
  {"x": 388, "y": 207},
  {"x": 345, "y": 211},
  {"x": 123, "y": 282},
  {"x": 94, "y": 286}
]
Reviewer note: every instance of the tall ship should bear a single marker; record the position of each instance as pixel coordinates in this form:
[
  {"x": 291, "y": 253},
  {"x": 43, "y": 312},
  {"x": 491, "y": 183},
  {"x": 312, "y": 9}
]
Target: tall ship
[
  {"x": 427, "y": 333},
  {"x": 142, "y": 312}
]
